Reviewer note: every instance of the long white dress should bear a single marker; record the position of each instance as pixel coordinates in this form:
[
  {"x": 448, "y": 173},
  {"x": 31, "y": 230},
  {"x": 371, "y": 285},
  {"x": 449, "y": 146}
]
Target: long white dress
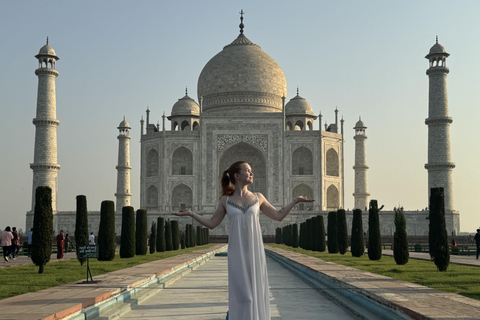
[{"x": 247, "y": 269}]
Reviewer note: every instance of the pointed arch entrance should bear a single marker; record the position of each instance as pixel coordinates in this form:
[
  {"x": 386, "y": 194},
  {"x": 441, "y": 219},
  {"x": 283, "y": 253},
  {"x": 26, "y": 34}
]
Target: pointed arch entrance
[{"x": 244, "y": 152}]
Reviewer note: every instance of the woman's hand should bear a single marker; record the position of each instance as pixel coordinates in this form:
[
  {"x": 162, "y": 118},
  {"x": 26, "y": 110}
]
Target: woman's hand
[
  {"x": 303, "y": 199},
  {"x": 182, "y": 213}
]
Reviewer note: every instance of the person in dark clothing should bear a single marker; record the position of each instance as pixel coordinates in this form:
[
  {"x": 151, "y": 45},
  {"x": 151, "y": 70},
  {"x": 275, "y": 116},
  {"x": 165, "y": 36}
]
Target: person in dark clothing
[{"x": 477, "y": 241}]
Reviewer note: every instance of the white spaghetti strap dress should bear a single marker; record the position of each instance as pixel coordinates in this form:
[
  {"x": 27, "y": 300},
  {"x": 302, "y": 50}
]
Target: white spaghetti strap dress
[{"x": 248, "y": 295}]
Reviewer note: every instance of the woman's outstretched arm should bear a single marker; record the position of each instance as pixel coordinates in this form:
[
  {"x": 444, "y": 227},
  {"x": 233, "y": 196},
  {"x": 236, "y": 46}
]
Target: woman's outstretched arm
[
  {"x": 275, "y": 214},
  {"x": 211, "y": 223}
]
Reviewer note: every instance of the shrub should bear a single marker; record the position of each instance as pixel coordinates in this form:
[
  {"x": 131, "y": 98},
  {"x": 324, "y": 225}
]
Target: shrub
[
  {"x": 418, "y": 247},
  {"x": 81, "y": 224},
  {"x": 127, "y": 239},
  {"x": 168, "y": 236},
  {"x": 358, "y": 247},
  {"x": 42, "y": 227},
  {"x": 175, "y": 235},
  {"x": 332, "y": 232},
  {"x": 295, "y": 236},
  {"x": 455, "y": 250},
  {"x": 141, "y": 233},
  {"x": 199, "y": 235},
  {"x": 106, "y": 231},
  {"x": 278, "y": 235},
  {"x": 152, "y": 240},
  {"x": 342, "y": 233},
  {"x": 400, "y": 241},
  {"x": 320, "y": 227},
  {"x": 182, "y": 241},
  {"x": 374, "y": 239},
  {"x": 437, "y": 232},
  {"x": 161, "y": 247}
]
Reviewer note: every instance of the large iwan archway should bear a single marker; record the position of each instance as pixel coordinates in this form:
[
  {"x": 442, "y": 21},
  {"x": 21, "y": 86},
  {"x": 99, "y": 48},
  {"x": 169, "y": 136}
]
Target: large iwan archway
[{"x": 245, "y": 152}]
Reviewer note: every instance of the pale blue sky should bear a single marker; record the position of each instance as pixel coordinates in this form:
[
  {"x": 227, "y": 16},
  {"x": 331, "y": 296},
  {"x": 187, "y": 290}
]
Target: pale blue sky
[{"x": 118, "y": 57}]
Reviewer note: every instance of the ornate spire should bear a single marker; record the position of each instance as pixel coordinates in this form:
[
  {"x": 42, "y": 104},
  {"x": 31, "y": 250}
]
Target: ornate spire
[
  {"x": 186, "y": 90},
  {"x": 297, "y": 91},
  {"x": 47, "y": 40},
  {"x": 436, "y": 40},
  {"x": 241, "y": 21}
]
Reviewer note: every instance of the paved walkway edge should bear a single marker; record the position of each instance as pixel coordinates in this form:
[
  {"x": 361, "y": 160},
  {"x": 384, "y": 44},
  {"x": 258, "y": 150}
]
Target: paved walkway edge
[
  {"x": 340, "y": 292},
  {"x": 381, "y": 298},
  {"x": 120, "y": 303}
]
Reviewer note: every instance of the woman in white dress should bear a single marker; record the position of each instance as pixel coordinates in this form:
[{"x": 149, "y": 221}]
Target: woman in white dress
[{"x": 248, "y": 296}]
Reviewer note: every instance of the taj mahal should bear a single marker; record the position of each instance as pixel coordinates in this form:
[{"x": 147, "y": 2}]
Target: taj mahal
[{"x": 242, "y": 113}]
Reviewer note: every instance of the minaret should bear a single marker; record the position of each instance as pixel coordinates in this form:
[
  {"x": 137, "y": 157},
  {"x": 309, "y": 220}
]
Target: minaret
[
  {"x": 123, "y": 168},
  {"x": 45, "y": 167},
  {"x": 439, "y": 164},
  {"x": 361, "y": 195}
]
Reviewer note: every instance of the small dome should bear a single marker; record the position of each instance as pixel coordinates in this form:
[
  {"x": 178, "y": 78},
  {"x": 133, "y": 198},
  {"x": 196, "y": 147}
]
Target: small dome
[
  {"x": 298, "y": 105},
  {"x": 437, "y": 48},
  {"x": 359, "y": 124},
  {"x": 185, "y": 106},
  {"x": 124, "y": 124},
  {"x": 46, "y": 50}
]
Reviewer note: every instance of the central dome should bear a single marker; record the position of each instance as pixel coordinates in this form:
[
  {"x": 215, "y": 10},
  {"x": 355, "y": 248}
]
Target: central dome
[{"x": 242, "y": 77}]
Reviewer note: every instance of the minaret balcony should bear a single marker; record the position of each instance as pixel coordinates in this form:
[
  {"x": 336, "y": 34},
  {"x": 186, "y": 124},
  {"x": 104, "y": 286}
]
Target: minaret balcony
[
  {"x": 45, "y": 122},
  {"x": 438, "y": 70},
  {"x": 440, "y": 166},
  {"x": 438, "y": 120}
]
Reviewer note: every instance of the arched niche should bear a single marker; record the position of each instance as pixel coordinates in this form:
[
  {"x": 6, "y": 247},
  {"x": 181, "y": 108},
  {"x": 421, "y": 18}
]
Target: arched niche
[
  {"x": 333, "y": 199},
  {"x": 288, "y": 126},
  {"x": 303, "y": 190},
  {"x": 182, "y": 197},
  {"x": 185, "y": 126},
  {"x": 332, "y": 162},
  {"x": 245, "y": 152},
  {"x": 302, "y": 161},
  {"x": 152, "y": 197},
  {"x": 182, "y": 162},
  {"x": 299, "y": 125},
  {"x": 152, "y": 163}
]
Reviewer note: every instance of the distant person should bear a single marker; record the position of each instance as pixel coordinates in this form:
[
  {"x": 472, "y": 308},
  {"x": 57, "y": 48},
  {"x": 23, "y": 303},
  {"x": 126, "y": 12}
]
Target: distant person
[
  {"x": 68, "y": 242},
  {"x": 477, "y": 241},
  {"x": 7, "y": 238},
  {"x": 29, "y": 241},
  {"x": 91, "y": 239},
  {"x": 60, "y": 244},
  {"x": 15, "y": 243}
]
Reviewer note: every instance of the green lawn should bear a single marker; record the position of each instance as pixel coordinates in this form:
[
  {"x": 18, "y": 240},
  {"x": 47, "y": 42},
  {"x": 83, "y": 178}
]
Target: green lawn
[
  {"x": 21, "y": 279},
  {"x": 464, "y": 280}
]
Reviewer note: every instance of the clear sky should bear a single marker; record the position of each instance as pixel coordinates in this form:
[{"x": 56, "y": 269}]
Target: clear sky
[{"x": 118, "y": 57}]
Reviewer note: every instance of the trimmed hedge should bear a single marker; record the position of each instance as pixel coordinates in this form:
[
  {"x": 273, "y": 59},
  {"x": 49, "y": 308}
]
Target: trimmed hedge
[
  {"x": 42, "y": 227},
  {"x": 152, "y": 240},
  {"x": 141, "y": 233},
  {"x": 161, "y": 247},
  {"x": 175, "y": 235},
  {"x": 106, "y": 231},
  {"x": 127, "y": 239},
  {"x": 332, "y": 232},
  {"x": 81, "y": 224},
  {"x": 320, "y": 238},
  {"x": 358, "y": 246},
  {"x": 374, "y": 239},
  {"x": 342, "y": 232},
  {"x": 400, "y": 241},
  {"x": 168, "y": 236},
  {"x": 437, "y": 230}
]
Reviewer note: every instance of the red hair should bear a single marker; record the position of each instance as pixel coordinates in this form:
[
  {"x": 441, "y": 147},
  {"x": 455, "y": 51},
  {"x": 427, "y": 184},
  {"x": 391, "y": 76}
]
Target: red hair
[{"x": 228, "y": 178}]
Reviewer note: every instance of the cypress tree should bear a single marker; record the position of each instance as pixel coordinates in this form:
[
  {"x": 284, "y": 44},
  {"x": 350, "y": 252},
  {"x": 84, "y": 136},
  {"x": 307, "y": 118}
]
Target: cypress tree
[
  {"x": 300, "y": 235},
  {"x": 437, "y": 231},
  {"x": 182, "y": 241},
  {"x": 208, "y": 235},
  {"x": 342, "y": 231},
  {"x": 106, "y": 231},
  {"x": 141, "y": 233},
  {"x": 278, "y": 232},
  {"x": 168, "y": 236},
  {"x": 374, "y": 239},
  {"x": 320, "y": 227},
  {"x": 42, "y": 227},
  {"x": 400, "y": 241},
  {"x": 358, "y": 247},
  {"x": 332, "y": 232},
  {"x": 161, "y": 247},
  {"x": 127, "y": 239},
  {"x": 81, "y": 224},
  {"x": 199, "y": 235},
  {"x": 192, "y": 236},
  {"x": 152, "y": 240},
  {"x": 295, "y": 236},
  {"x": 175, "y": 235}
]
